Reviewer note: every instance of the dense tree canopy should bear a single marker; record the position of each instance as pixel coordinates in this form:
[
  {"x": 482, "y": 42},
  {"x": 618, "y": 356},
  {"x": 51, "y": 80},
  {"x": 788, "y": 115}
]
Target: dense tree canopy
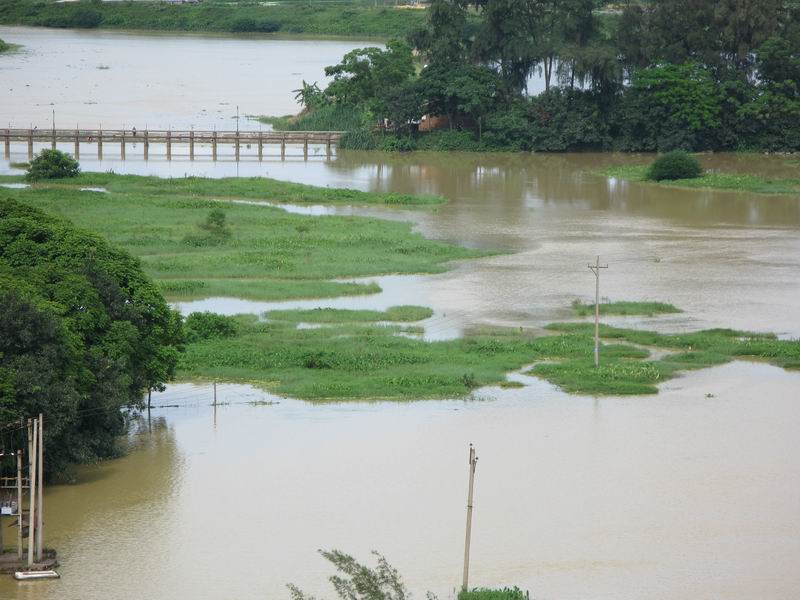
[
  {"x": 656, "y": 75},
  {"x": 83, "y": 333}
]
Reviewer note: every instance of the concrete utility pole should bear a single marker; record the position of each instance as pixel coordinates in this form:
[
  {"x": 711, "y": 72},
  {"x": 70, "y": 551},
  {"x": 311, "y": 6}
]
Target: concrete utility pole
[
  {"x": 33, "y": 443},
  {"x": 19, "y": 504},
  {"x": 40, "y": 490},
  {"x": 473, "y": 462},
  {"x": 596, "y": 270}
]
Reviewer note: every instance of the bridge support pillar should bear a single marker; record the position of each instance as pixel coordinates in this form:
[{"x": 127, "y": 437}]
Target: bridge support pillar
[
  {"x": 191, "y": 145},
  {"x": 169, "y": 145},
  {"x": 146, "y": 147},
  {"x": 100, "y": 145},
  {"x": 30, "y": 144},
  {"x": 260, "y": 147},
  {"x": 214, "y": 146},
  {"x": 7, "y": 144},
  {"x": 283, "y": 147},
  {"x": 77, "y": 145},
  {"x": 122, "y": 146},
  {"x": 305, "y": 147},
  {"x": 328, "y": 146}
]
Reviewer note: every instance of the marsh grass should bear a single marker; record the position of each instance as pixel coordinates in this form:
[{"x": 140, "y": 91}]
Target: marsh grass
[
  {"x": 335, "y": 315},
  {"x": 625, "y": 308},
  {"x": 352, "y": 358},
  {"x": 267, "y": 254},
  {"x": 710, "y": 180},
  {"x": 492, "y": 594}
]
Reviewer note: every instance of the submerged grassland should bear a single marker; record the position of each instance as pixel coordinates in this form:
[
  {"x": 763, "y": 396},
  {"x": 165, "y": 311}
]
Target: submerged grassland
[
  {"x": 250, "y": 251},
  {"x": 352, "y": 358},
  {"x": 625, "y": 308},
  {"x": 716, "y": 181}
]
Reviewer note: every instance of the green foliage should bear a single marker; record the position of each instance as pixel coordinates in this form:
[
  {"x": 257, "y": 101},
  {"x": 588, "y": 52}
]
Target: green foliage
[
  {"x": 356, "y": 19},
  {"x": 395, "y": 143},
  {"x": 52, "y": 164},
  {"x": 449, "y": 141},
  {"x": 83, "y": 333},
  {"x": 335, "y": 315},
  {"x": 251, "y": 25},
  {"x": 625, "y": 308},
  {"x": 489, "y": 594},
  {"x": 670, "y": 107},
  {"x": 721, "y": 181},
  {"x": 268, "y": 253},
  {"x": 358, "y": 139},
  {"x": 675, "y": 165},
  {"x": 4, "y": 46},
  {"x": 357, "y": 581},
  {"x": 201, "y": 326}
]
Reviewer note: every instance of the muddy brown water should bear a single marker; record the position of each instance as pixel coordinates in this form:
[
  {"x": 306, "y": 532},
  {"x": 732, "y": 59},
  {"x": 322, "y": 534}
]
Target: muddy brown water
[{"x": 693, "y": 493}]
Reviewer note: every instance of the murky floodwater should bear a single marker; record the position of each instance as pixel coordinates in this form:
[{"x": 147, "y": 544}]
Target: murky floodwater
[{"x": 683, "y": 495}]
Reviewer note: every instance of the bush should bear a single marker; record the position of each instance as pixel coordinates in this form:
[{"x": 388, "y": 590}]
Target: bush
[
  {"x": 246, "y": 25},
  {"x": 398, "y": 144},
  {"x": 52, "y": 164},
  {"x": 358, "y": 139},
  {"x": 675, "y": 165},
  {"x": 208, "y": 326},
  {"x": 489, "y": 594},
  {"x": 449, "y": 141}
]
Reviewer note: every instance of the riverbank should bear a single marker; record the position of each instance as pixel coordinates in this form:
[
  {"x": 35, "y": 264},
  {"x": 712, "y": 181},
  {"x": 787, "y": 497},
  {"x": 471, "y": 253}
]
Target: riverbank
[
  {"x": 345, "y": 20},
  {"x": 709, "y": 180}
]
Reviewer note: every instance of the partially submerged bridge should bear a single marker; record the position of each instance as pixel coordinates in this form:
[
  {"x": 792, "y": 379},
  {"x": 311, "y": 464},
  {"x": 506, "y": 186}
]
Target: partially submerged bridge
[{"x": 251, "y": 141}]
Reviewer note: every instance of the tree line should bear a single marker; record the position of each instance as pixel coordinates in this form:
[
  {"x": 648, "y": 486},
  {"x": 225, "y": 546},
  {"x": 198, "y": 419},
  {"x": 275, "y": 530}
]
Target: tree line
[{"x": 661, "y": 75}]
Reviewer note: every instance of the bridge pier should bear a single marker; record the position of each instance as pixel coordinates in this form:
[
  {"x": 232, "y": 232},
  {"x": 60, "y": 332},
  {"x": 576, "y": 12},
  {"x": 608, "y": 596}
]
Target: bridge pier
[
  {"x": 30, "y": 144},
  {"x": 305, "y": 147},
  {"x": 100, "y": 145},
  {"x": 7, "y": 144},
  {"x": 283, "y": 147},
  {"x": 169, "y": 145},
  {"x": 191, "y": 145},
  {"x": 260, "y": 147},
  {"x": 146, "y": 145},
  {"x": 214, "y": 146},
  {"x": 77, "y": 145}
]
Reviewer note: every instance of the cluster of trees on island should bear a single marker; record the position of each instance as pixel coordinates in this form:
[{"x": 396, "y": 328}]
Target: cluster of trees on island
[{"x": 690, "y": 74}]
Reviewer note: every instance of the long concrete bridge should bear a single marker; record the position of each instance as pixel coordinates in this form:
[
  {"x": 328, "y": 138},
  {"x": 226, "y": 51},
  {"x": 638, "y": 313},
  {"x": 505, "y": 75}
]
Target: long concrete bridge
[{"x": 120, "y": 138}]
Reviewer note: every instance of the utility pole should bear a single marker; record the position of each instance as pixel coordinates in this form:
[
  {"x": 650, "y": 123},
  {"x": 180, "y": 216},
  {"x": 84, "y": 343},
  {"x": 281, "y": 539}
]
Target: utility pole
[
  {"x": 596, "y": 270},
  {"x": 40, "y": 490},
  {"x": 473, "y": 462},
  {"x": 33, "y": 443},
  {"x": 19, "y": 504}
]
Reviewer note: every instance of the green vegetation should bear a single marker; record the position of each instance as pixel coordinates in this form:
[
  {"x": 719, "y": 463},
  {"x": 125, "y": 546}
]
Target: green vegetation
[
  {"x": 197, "y": 246},
  {"x": 83, "y": 333},
  {"x": 675, "y": 165},
  {"x": 245, "y": 188},
  {"x": 718, "y": 181},
  {"x": 336, "y": 315},
  {"x": 52, "y": 164},
  {"x": 625, "y": 308},
  {"x": 357, "y": 581},
  {"x": 352, "y": 19},
  {"x": 665, "y": 76},
  {"x": 693, "y": 351},
  {"x": 488, "y": 594},
  {"x": 353, "y": 359},
  {"x": 4, "y": 47}
]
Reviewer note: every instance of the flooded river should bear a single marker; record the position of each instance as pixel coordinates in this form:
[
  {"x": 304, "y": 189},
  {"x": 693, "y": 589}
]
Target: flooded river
[{"x": 693, "y": 493}]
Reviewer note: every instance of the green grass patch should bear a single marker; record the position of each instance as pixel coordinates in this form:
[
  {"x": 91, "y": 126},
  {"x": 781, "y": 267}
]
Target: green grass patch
[
  {"x": 349, "y": 19},
  {"x": 266, "y": 253},
  {"x": 336, "y": 315},
  {"x": 625, "y": 308},
  {"x": 246, "y": 188},
  {"x": 352, "y": 359},
  {"x": 333, "y": 117},
  {"x": 489, "y": 594},
  {"x": 715, "y": 181}
]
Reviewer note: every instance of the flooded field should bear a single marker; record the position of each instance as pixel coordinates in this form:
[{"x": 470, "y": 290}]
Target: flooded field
[{"x": 693, "y": 493}]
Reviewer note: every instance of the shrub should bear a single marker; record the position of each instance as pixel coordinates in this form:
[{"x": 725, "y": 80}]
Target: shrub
[
  {"x": 246, "y": 25},
  {"x": 449, "y": 141},
  {"x": 358, "y": 139},
  {"x": 675, "y": 165},
  {"x": 489, "y": 594},
  {"x": 208, "y": 326},
  {"x": 398, "y": 144},
  {"x": 52, "y": 164}
]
